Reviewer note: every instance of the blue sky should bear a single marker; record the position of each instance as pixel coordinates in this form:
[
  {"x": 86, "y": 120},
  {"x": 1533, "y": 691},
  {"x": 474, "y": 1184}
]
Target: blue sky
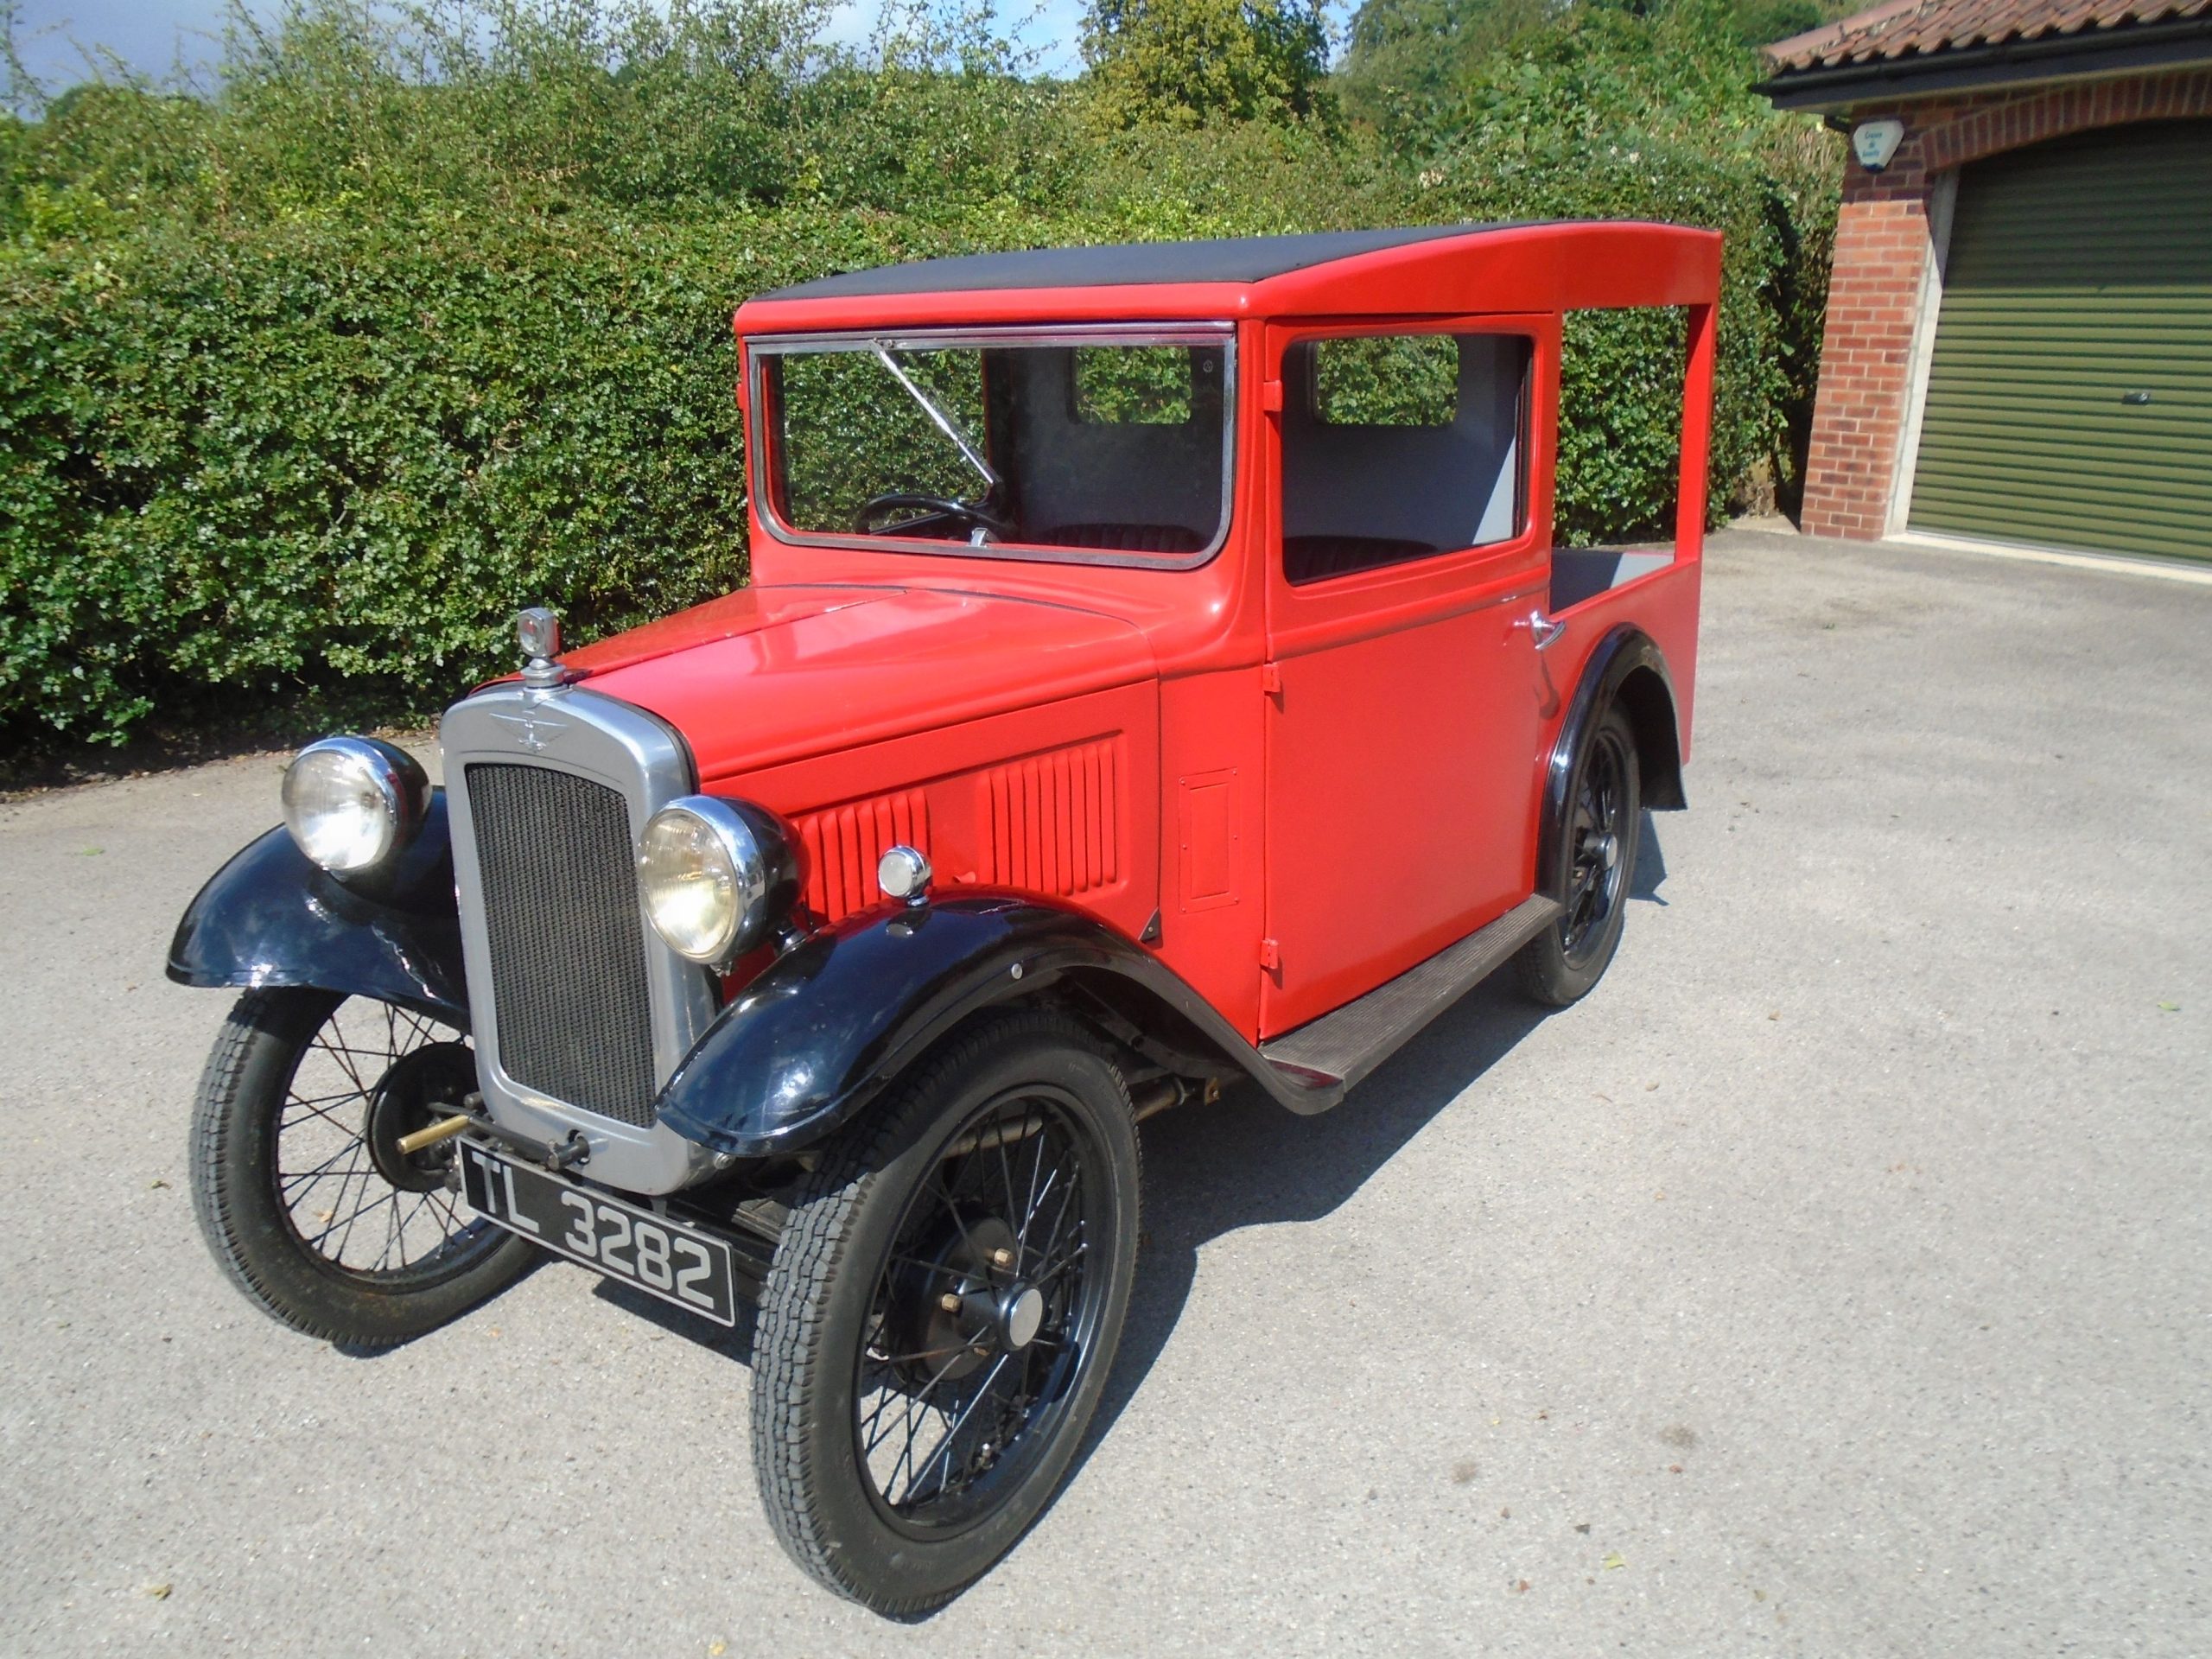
[
  {"x": 148, "y": 34},
  {"x": 153, "y": 35}
]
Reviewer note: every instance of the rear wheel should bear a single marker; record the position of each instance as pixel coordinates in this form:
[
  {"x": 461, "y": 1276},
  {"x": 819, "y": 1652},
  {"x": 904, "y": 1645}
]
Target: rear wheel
[
  {"x": 301, "y": 1190},
  {"x": 942, "y": 1313},
  {"x": 1596, "y": 859}
]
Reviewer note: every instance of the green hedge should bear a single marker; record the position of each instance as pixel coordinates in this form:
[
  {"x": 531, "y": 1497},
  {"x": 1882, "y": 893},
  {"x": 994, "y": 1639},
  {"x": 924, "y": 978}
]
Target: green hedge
[
  {"x": 308, "y": 461},
  {"x": 327, "y": 463}
]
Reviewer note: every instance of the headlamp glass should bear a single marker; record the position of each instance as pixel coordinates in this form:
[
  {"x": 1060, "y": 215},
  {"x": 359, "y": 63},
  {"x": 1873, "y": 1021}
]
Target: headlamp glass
[
  {"x": 716, "y": 876},
  {"x": 349, "y": 804}
]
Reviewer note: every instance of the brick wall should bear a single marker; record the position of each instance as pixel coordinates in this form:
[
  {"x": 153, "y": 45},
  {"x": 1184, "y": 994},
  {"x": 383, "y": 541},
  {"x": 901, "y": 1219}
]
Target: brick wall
[{"x": 1882, "y": 258}]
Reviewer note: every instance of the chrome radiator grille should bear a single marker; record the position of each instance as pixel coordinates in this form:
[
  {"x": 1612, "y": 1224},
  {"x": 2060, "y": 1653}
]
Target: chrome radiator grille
[{"x": 560, "y": 913}]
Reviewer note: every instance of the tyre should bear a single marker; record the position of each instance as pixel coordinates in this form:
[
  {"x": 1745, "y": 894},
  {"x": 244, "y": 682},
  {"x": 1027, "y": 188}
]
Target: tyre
[
  {"x": 300, "y": 1188},
  {"x": 1596, "y": 859},
  {"x": 942, "y": 1311}
]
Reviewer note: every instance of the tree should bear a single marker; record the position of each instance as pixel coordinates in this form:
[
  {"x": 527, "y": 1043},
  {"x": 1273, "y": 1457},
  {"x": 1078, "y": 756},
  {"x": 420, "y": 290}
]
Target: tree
[
  {"x": 1189, "y": 63},
  {"x": 1405, "y": 58}
]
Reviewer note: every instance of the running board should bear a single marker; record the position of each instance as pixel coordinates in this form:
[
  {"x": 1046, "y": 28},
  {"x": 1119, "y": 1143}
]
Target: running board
[{"x": 1338, "y": 1049}]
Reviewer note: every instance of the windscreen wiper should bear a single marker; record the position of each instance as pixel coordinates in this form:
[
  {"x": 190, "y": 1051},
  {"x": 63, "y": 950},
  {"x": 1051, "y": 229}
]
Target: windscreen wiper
[{"x": 943, "y": 422}]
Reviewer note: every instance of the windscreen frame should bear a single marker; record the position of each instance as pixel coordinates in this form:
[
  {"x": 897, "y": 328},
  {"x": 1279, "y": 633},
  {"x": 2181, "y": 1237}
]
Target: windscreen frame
[{"x": 765, "y": 441}]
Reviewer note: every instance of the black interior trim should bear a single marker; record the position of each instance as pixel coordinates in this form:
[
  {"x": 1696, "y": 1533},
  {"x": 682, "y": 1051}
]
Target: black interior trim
[
  {"x": 1316, "y": 558},
  {"x": 1127, "y": 538}
]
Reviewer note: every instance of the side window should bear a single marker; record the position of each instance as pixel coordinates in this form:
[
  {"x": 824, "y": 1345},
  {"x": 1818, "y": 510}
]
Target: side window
[
  {"x": 1399, "y": 447},
  {"x": 1618, "y": 474}
]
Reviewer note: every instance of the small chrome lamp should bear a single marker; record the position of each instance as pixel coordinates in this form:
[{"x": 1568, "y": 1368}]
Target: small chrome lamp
[{"x": 904, "y": 874}]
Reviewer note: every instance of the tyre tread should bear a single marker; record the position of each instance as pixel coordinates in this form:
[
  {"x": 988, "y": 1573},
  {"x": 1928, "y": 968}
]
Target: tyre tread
[{"x": 256, "y": 1015}]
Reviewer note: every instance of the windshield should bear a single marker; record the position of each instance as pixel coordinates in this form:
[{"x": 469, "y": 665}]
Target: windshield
[{"x": 1113, "y": 445}]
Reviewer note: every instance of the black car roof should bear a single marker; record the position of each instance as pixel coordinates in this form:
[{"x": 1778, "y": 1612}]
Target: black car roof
[{"x": 1242, "y": 259}]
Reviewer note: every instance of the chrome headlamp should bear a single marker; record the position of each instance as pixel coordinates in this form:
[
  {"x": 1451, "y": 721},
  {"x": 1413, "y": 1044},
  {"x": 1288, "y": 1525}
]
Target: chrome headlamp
[
  {"x": 352, "y": 802},
  {"x": 715, "y": 876}
]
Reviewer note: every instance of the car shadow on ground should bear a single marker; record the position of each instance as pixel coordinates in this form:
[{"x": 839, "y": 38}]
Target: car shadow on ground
[
  {"x": 1246, "y": 1162},
  {"x": 1651, "y": 870},
  {"x": 734, "y": 1342}
]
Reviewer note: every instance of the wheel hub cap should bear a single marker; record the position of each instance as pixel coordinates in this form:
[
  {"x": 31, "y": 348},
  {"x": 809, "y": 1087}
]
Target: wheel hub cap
[
  {"x": 1021, "y": 1313},
  {"x": 962, "y": 1307}
]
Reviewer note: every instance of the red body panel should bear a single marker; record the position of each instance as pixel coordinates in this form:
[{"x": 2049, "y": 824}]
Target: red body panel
[
  {"x": 1336, "y": 780},
  {"x": 1397, "y": 768},
  {"x": 1058, "y": 798},
  {"x": 1213, "y": 836},
  {"x": 895, "y": 661}
]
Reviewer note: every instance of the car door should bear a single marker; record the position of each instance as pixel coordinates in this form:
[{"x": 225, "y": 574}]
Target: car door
[{"x": 1403, "y": 685}]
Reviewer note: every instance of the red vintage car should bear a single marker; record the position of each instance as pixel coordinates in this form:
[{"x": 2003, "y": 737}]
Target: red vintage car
[{"x": 1160, "y": 672}]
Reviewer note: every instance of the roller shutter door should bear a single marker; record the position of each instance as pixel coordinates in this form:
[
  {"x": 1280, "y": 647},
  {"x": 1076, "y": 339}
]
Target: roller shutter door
[{"x": 2070, "y": 396}]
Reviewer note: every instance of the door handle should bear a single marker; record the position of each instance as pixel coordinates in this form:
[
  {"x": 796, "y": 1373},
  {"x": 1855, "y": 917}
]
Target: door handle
[{"x": 1544, "y": 632}]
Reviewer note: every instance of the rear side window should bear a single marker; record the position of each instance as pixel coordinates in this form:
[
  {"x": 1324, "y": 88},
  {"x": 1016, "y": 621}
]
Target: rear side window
[
  {"x": 1623, "y": 400},
  {"x": 1618, "y": 474},
  {"x": 1401, "y": 447}
]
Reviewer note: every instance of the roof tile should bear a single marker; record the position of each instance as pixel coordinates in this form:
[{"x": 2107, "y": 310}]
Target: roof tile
[{"x": 1901, "y": 28}]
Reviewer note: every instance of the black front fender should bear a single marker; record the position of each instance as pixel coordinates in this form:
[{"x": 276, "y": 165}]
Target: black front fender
[
  {"x": 272, "y": 916},
  {"x": 820, "y": 1033}
]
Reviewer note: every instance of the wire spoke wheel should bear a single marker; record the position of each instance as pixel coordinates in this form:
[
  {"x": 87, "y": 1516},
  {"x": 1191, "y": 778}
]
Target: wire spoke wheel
[
  {"x": 1595, "y": 852},
  {"x": 983, "y": 1311},
  {"x": 301, "y": 1190},
  {"x": 943, "y": 1309}
]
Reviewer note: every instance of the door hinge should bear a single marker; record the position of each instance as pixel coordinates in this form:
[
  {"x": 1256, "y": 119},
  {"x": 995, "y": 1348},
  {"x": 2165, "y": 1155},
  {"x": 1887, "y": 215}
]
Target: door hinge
[
  {"x": 1270, "y": 955},
  {"x": 1271, "y": 397},
  {"x": 1270, "y": 679}
]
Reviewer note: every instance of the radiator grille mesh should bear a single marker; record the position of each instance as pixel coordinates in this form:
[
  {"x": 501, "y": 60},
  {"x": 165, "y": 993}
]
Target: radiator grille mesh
[{"x": 567, "y": 939}]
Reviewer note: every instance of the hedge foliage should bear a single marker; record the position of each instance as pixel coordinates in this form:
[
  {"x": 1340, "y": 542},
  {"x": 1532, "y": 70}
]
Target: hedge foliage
[{"x": 305, "y": 386}]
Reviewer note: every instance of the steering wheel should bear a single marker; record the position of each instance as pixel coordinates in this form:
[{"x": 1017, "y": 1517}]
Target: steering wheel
[{"x": 928, "y": 507}]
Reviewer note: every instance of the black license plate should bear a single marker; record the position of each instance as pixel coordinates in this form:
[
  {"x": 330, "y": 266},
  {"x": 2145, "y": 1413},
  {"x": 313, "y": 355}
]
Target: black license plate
[{"x": 660, "y": 1256}]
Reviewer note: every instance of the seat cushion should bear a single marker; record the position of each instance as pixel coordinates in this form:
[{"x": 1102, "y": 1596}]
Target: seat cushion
[{"x": 1124, "y": 538}]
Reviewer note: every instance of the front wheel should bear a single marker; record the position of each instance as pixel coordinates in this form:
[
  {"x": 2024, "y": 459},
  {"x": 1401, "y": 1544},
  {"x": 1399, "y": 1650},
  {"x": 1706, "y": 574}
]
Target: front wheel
[
  {"x": 301, "y": 1190},
  {"x": 1596, "y": 859},
  {"x": 944, "y": 1307}
]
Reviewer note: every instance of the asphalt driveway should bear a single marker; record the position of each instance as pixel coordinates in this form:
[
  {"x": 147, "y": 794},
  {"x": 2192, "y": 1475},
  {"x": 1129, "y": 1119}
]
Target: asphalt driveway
[{"x": 1833, "y": 1281}]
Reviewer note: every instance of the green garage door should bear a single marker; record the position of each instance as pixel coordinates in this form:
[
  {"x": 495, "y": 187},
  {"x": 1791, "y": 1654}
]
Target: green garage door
[{"x": 2070, "y": 400}]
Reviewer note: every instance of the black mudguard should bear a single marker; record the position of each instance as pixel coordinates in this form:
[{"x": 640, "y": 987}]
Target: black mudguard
[
  {"x": 1627, "y": 668},
  {"x": 827, "y": 1025},
  {"x": 272, "y": 916}
]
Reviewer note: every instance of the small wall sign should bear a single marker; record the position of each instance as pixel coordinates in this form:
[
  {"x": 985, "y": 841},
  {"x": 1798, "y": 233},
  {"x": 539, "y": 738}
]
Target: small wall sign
[{"x": 1874, "y": 141}]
